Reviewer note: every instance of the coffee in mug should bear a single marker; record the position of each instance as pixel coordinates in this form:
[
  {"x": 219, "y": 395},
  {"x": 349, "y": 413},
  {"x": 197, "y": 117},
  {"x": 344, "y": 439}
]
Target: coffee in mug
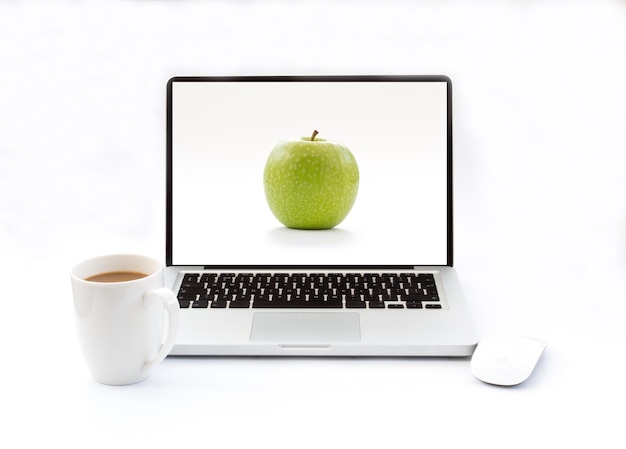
[{"x": 116, "y": 276}]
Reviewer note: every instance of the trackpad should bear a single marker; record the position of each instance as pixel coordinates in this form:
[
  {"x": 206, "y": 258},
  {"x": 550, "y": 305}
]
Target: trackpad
[{"x": 306, "y": 327}]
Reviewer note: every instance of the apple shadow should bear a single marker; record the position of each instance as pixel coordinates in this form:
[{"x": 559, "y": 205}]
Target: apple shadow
[{"x": 309, "y": 238}]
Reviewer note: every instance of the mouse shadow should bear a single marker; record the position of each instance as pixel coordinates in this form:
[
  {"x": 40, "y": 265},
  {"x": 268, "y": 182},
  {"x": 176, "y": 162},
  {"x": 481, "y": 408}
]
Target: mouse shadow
[{"x": 309, "y": 238}]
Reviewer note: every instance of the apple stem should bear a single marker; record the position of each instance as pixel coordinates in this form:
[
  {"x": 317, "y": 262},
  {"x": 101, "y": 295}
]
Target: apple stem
[{"x": 315, "y": 133}]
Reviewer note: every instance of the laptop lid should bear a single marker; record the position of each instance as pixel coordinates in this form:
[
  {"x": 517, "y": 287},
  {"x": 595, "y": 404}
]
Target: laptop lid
[{"x": 221, "y": 130}]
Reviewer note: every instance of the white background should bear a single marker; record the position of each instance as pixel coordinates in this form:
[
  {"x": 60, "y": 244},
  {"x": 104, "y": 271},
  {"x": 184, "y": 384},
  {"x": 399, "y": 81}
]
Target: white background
[
  {"x": 224, "y": 132},
  {"x": 540, "y": 219}
]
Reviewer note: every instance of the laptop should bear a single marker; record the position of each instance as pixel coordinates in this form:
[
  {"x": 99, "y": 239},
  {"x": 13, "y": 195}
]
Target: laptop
[{"x": 372, "y": 153}]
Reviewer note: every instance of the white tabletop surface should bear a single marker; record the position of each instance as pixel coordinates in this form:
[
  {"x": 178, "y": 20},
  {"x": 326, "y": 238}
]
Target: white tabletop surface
[{"x": 540, "y": 217}]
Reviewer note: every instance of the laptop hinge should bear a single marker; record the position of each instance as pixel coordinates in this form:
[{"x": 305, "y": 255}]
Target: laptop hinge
[{"x": 309, "y": 267}]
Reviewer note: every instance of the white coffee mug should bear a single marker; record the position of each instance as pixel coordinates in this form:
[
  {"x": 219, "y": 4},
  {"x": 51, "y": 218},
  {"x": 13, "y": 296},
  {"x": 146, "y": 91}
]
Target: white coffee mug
[{"x": 121, "y": 324}]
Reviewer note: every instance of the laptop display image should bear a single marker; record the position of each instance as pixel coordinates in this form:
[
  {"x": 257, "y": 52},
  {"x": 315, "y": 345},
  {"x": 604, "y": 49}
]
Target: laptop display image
[{"x": 313, "y": 216}]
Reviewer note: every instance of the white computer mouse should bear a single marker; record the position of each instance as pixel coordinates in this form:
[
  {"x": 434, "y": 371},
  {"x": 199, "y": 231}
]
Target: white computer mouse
[{"x": 506, "y": 359}]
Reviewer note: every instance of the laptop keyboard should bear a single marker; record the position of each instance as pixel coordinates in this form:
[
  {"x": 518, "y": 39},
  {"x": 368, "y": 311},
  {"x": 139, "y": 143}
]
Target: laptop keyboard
[{"x": 309, "y": 290}]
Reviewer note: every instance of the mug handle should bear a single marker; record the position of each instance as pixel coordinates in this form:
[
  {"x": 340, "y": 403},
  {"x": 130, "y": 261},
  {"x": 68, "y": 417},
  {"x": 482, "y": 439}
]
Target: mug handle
[{"x": 173, "y": 311}]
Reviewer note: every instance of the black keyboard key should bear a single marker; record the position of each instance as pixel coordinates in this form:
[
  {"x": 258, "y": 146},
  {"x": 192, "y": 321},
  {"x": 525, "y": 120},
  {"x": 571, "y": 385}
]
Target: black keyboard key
[
  {"x": 278, "y": 304},
  {"x": 425, "y": 277},
  {"x": 200, "y": 304},
  {"x": 239, "y": 304},
  {"x": 314, "y": 304},
  {"x": 356, "y": 304},
  {"x": 320, "y": 303},
  {"x": 413, "y": 297},
  {"x": 332, "y": 304}
]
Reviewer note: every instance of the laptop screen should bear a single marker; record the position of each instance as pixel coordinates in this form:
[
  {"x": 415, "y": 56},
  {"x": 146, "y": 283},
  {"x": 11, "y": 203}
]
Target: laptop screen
[{"x": 309, "y": 171}]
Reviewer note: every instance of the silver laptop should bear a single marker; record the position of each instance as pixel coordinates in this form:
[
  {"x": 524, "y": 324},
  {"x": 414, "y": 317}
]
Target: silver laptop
[{"x": 313, "y": 216}]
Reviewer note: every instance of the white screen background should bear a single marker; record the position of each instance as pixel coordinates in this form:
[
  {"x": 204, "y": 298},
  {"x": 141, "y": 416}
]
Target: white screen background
[{"x": 223, "y": 132}]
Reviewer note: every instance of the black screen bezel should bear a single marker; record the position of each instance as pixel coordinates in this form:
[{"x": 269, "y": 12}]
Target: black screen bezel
[{"x": 338, "y": 78}]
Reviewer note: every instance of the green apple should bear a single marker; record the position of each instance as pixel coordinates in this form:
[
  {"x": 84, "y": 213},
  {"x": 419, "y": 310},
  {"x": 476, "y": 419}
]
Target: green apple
[{"x": 310, "y": 183}]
